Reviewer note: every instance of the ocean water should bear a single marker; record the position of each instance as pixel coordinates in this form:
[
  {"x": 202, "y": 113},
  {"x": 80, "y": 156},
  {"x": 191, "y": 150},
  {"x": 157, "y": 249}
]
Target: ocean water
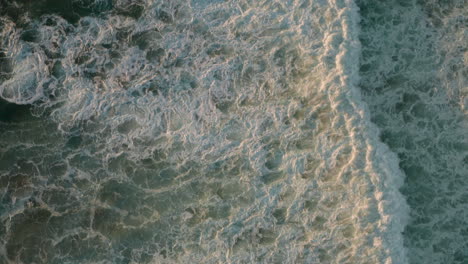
[
  {"x": 216, "y": 131},
  {"x": 414, "y": 70}
]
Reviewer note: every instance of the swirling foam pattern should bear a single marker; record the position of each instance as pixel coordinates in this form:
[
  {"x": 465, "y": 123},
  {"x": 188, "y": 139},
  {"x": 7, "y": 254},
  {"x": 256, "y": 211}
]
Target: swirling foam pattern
[{"x": 207, "y": 131}]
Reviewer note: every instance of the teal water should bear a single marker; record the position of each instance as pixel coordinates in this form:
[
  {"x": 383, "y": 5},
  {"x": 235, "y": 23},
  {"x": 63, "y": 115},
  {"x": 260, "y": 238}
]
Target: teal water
[
  {"x": 414, "y": 79},
  {"x": 233, "y": 131}
]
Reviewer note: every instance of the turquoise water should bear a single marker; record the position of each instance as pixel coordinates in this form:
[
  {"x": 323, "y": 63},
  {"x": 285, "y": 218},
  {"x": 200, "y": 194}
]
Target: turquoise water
[
  {"x": 233, "y": 131},
  {"x": 414, "y": 79}
]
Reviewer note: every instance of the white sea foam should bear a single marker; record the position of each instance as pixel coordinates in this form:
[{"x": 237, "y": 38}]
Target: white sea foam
[{"x": 208, "y": 132}]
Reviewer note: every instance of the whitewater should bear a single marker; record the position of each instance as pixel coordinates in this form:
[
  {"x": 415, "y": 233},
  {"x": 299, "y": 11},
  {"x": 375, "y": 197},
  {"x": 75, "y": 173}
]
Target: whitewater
[{"x": 238, "y": 131}]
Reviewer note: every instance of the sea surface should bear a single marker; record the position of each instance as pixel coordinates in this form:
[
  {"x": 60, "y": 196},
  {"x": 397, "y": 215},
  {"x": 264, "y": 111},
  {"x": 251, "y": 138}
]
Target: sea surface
[{"x": 233, "y": 131}]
